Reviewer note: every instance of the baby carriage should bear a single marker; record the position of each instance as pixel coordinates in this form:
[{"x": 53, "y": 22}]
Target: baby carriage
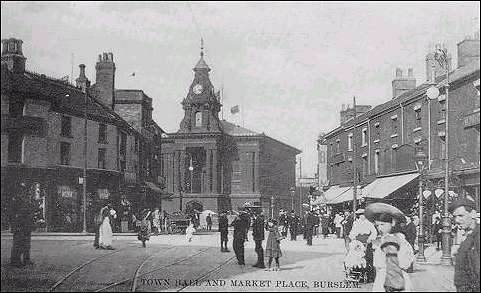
[{"x": 355, "y": 262}]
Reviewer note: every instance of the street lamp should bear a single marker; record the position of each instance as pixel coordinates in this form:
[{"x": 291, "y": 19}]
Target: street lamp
[
  {"x": 292, "y": 190},
  {"x": 191, "y": 169},
  {"x": 420, "y": 158},
  {"x": 441, "y": 56}
]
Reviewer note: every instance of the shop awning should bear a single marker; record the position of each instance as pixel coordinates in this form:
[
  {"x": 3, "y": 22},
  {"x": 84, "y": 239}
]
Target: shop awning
[
  {"x": 347, "y": 195},
  {"x": 382, "y": 187},
  {"x": 331, "y": 194}
]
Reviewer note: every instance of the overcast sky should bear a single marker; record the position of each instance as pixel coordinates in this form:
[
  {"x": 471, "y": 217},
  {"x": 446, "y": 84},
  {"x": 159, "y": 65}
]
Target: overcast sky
[{"x": 290, "y": 66}]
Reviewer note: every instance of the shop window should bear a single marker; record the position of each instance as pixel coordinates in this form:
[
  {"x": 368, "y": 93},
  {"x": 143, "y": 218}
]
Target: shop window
[
  {"x": 102, "y": 133},
  {"x": 101, "y": 159},
  {"x": 15, "y": 148},
  {"x": 16, "y": 108},
  {"x": 66, "y": 126},
  {"x": 64, "y": 153}
]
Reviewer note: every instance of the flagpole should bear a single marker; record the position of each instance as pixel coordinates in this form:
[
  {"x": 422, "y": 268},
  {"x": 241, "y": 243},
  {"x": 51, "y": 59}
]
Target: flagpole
[
  {"x": 242, "y": 111},
  {"x": 220, "y": 99}
]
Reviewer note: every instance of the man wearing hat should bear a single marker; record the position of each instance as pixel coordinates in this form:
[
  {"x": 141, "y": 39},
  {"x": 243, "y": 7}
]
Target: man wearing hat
[
  {"x": 240, "y": 227},
  {"x": 466, "y": 270},
  {"x": 224, "y": 231},
  {"x": 258, "y": 235}
]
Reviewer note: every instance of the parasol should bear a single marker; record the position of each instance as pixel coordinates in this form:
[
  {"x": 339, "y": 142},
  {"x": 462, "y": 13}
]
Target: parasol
[{"x": 374, "y": 209}]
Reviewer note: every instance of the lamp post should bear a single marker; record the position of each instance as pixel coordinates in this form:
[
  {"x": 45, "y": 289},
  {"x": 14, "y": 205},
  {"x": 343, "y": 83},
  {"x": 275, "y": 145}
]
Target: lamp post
[
  {"x": 191, "y": 169},
  {"x": 420, "y": 158},
  {"x": 272, "y": 207},
  {"x": 292, "y": 190},
  {"x": 441, "y": 56}
]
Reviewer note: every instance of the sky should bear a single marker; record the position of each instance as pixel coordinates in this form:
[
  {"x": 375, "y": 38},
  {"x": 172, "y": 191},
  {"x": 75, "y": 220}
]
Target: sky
[{"x": 290, "y": 66}]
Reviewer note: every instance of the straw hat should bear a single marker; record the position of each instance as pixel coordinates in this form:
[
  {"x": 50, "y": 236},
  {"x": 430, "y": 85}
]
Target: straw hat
[{"x": 374, "y": 209}]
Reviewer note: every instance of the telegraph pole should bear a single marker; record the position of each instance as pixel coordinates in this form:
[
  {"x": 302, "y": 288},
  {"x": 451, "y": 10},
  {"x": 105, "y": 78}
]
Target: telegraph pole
[
  {"x": 300, "y": 186},
  {"x": 354, "y": 155}
]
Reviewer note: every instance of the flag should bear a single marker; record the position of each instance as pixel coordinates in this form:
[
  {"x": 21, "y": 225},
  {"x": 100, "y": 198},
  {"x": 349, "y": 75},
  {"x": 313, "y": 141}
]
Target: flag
[{"x": 235, "y": 109}]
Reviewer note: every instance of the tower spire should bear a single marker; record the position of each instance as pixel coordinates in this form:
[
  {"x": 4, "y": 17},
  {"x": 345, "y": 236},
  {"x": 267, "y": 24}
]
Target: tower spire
[{"x": 201, "y": 47}]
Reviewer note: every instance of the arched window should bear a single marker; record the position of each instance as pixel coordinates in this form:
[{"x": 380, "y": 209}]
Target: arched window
[{"x": 198, "y": 119}]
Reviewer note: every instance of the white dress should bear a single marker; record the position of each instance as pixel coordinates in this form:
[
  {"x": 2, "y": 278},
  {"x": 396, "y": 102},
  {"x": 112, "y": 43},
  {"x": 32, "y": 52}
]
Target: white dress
[
  {"x": 405, "y": 257},
  {"x": 105, "y": 233}
]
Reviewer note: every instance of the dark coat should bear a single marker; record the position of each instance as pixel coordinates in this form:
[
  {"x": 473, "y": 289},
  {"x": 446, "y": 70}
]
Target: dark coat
[
  {"x": 410, "y": 233},
  {"x": 294, "y": 222},
  {"x": 258, "y": 228},
  {"x": 23, "y": 210},
  {"x": 223, "y": 224},
  {"x": 240, "y": 228},
  {"x": 311, "y": 220},
  {"x": 466, "y": 270}
]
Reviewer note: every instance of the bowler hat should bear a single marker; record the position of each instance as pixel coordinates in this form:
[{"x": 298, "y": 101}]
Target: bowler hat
[
  {"x": 377, "y": 208},
  {"x": 462, "y": 203}
]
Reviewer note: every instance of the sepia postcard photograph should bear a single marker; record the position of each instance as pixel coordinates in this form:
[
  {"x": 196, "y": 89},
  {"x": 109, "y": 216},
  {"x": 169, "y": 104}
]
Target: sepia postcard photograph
[{"x": 238, "y": 146}]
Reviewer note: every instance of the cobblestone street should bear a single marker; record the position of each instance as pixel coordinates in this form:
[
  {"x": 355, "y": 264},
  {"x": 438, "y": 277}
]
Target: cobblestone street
[{"x": 169, "y": 263}]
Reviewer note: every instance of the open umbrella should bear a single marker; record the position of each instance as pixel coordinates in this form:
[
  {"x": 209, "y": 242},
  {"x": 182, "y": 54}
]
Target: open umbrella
[{"x": 374, "y": 209}]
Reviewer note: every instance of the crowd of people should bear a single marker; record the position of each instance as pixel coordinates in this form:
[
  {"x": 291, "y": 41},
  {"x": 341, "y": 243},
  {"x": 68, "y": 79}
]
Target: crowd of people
[{"x": 380, "y": 239}]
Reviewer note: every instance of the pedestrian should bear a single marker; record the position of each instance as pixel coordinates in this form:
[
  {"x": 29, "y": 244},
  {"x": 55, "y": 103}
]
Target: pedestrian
[
  {"x": 438, "y": 232},
  {"x": 364, "y": 231},
  {"x": 189, "y": 232},
  {"x": 156, "y": 221},
  {"x": 392, "y": 253},
  {"x": 105, "y": 231},
  {"x": 294, "y": 223},
  {"x": 22, "y": 224},
  {"x": 223, "y": 229},
  {"x": 145, "y": 227},
  {"x": 410, "y": 234},
  {"x": 273, "y": 247},
  {"x": 258, "y": 236},
  {"x": 208, "y": 220},
  {"x": 337, "y": 223},
  {"x": 98, "y": 220},
  {"x": 466, "y": 269},
  {"x": 283, "y": 222},
  {"x": 325, "y": 225},
  {"x": 347, "y": 223},
  {"x": 167, "y": 223},
  {"x": 311, "y": 222},
  {"x": 239, "y": 224}
]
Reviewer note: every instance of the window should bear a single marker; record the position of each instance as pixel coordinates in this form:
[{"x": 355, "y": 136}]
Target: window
[
  {"x": 101, "y": 159},
  {"x": 349, "y": 142},
  {"x": 64, "y": 153},
  {"x": 136, "y": 144},
  {"x": 198, "y": 119},
  {"x": 16, "y": 108},
  {"x": 394, "y": 125},
  {"x": 378, "y": 131},
  {"x": 376, "y": 162},
  {"x": 442, "y": 148},
  {"x": 364, "y": 136},
  {"x": 338, "y": 147},
  {"x": 418, "y": 117},
  {"x": 15, "y": 148},
  {"x": 66, "y": 126},
  {"x": 364, "y": 166},
  {"x": 102, "y": 133},
  {"x": 442, "y": 109}
]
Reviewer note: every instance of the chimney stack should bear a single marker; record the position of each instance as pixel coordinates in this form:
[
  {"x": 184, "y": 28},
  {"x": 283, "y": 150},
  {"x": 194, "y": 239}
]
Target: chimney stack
[
  {"x": 82, "y": 80},
  {"x": 433, "y": 68},
  {"x": 402, "y": 84},
  {"x": 105, "y": 79},
  {"x": 12, "y": 55},
  {"x": 468, "y": 50}
]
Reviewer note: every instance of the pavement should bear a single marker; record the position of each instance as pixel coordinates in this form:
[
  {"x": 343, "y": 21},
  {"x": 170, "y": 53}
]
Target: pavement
[{"x": 170, "y": 263}]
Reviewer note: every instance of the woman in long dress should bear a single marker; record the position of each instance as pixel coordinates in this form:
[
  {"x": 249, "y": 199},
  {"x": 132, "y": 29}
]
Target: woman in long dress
[
  {"x": 105, "y": 231},
  {"x": 392, "y": 256}
]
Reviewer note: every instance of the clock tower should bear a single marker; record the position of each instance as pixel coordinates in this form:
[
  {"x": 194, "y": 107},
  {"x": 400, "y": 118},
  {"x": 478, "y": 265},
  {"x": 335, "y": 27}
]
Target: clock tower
[{"x": 201, "y": 105}]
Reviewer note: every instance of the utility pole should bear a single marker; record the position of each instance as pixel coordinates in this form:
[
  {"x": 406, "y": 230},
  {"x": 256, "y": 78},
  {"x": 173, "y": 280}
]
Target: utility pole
[
  {"x": 354, "y": 155},
  {"x": 300, "y": 186}
]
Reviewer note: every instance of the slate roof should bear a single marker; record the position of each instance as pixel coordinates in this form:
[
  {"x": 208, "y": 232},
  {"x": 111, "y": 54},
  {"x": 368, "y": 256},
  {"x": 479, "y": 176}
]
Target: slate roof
[
  {"x": 235, "y": 130},
  {"x": 64, "y": 96}
]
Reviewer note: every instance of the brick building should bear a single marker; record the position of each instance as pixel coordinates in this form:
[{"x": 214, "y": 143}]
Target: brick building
[
  {"x": 385, "y": 137},
  {"x": 42, "y": 138},
  {"x": 213, "y": 164}
]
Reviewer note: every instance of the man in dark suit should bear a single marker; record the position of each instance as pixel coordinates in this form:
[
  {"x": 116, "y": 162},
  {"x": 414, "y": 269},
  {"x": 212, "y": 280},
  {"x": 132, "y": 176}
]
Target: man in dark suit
[
  {"x": 224, "y": 231},
  {"x": 22, "y": 223},
  {"x": 311, "y": 222},
  {"x": 240, "y": 227},
  {"x": 258, "y": 235},
  {"x": 294, "y": 223}
]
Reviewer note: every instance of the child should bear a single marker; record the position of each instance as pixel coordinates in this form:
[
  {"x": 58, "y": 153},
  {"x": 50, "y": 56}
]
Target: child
[
  {"x": 144, "y": 232},
  {"x": 273, "y": 248},
  {"x": 189, "y": 232}
]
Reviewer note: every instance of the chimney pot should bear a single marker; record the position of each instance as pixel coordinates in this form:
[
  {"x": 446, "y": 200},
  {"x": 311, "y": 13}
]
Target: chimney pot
[
  {"x": 399, "y": 72},
  {"x": 410, "y": 72}
]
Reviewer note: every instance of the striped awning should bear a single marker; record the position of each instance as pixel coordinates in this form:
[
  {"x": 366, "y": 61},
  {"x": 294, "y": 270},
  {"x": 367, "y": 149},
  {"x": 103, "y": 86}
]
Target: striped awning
[{"x": 383, "y": 187}]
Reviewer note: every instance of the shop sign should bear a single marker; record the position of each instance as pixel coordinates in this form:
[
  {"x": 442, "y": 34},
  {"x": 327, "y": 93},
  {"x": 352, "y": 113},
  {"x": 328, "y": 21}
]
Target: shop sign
[
  {"x": 65, "y": 191},
  {"x": 103, "y": 193}
]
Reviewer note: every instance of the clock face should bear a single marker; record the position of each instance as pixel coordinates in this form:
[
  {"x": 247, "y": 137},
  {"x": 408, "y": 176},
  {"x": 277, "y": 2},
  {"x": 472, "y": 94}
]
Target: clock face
[{"x": 197, "y": 89}]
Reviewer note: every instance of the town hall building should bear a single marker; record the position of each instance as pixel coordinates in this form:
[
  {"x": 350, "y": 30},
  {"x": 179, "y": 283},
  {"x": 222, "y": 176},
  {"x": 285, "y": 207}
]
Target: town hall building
[{"x": 213, "y": 164}]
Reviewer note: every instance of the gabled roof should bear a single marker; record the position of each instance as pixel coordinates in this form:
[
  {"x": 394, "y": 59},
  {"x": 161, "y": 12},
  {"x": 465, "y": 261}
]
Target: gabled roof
[{"x": 63, "y": 96}]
